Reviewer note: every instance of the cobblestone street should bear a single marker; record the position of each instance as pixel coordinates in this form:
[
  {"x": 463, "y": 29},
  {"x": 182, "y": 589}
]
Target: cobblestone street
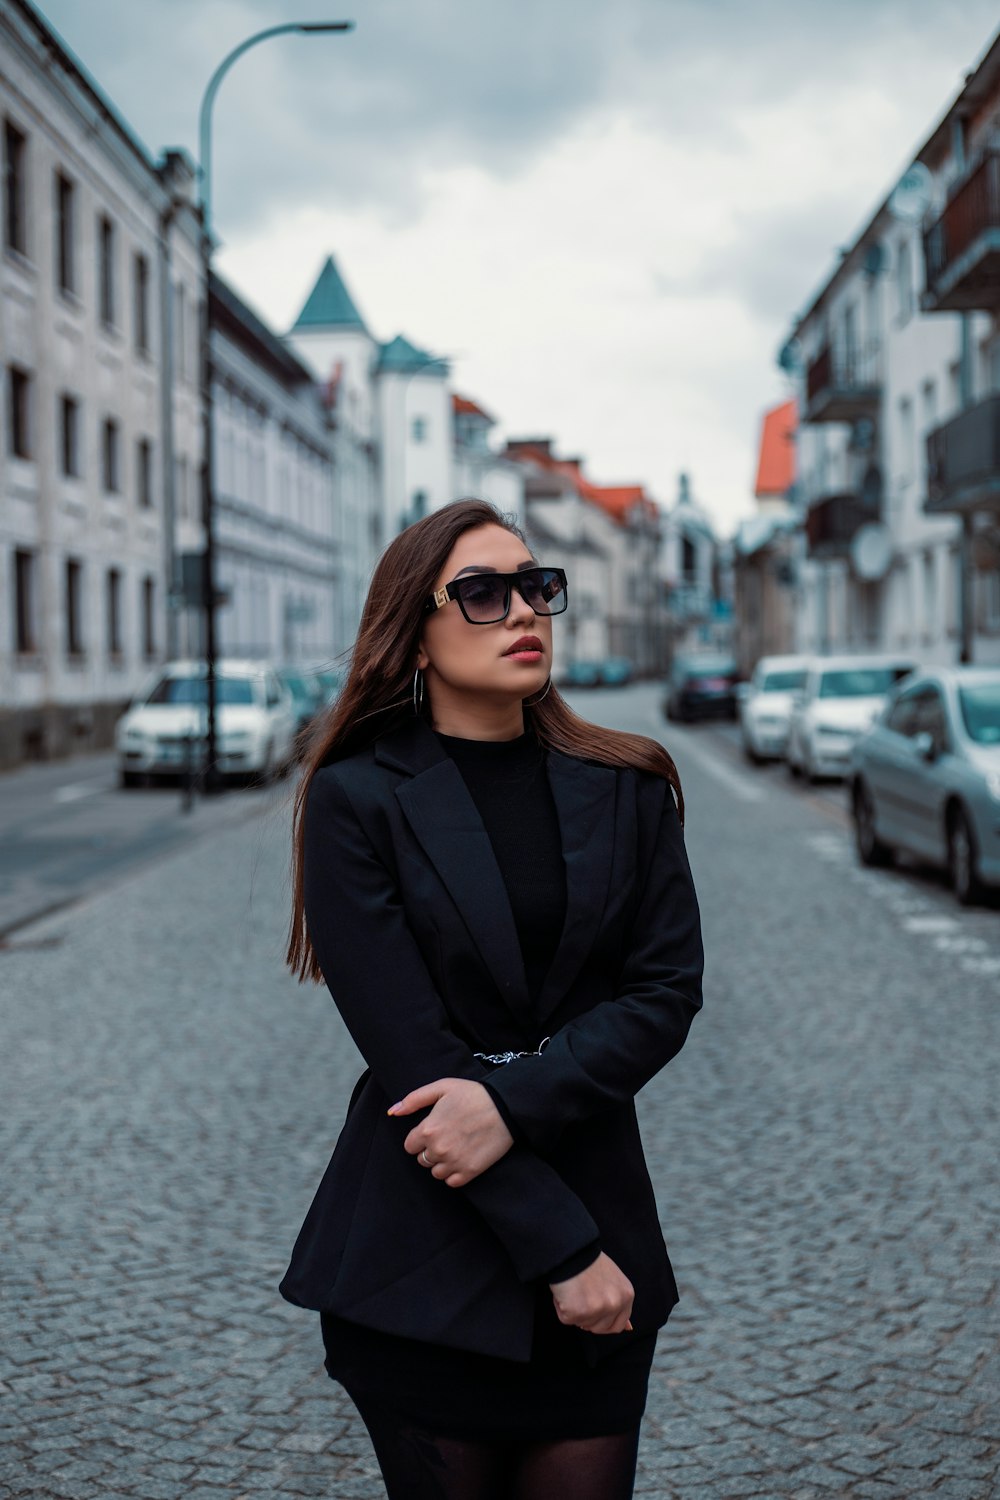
[{"x": 824, "y": 1151}]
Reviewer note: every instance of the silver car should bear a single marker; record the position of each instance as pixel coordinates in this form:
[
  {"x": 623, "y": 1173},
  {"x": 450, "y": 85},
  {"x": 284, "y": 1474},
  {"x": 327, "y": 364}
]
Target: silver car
[{"x": 926, "y": 777}]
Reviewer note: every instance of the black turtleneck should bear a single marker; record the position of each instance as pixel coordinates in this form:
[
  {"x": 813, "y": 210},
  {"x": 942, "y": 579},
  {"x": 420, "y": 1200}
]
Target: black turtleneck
[{"x": 507, "y": 782}]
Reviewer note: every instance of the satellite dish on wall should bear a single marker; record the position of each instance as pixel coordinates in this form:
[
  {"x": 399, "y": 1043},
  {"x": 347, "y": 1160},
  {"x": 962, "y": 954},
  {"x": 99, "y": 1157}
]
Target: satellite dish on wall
[
  {"x": 911, "y": 197},
  {"x": 871, "y": 551},
  {"x": 790, "y": 356}
]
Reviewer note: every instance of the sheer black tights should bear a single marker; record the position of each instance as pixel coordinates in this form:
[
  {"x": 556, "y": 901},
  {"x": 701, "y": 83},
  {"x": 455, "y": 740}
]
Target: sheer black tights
[{"x": 419, "y": 1465}]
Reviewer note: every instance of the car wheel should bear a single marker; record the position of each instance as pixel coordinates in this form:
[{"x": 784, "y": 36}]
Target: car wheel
[
  {"x": 749, "y": 752},
  {"x": 871, "y": 850},
  {"x": 811, "y": 773},
  {"x": 129, "y": 780},
  {"x": 962, "y": 858},
  {"x": 268, "y": 770}
]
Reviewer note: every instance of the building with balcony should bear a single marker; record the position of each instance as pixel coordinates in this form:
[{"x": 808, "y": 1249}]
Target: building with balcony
[
  {"x": 766, "y": 548},
  {"x": 891, "y": 360}
]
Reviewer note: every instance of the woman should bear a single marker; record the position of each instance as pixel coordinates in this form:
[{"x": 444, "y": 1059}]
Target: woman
[{"x": 497, "y": 895}]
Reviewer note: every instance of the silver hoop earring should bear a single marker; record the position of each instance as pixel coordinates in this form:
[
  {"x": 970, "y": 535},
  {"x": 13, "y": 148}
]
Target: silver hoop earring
[
  {"x": 418, "y": 691},
  {"x": 538, "y": 700}
]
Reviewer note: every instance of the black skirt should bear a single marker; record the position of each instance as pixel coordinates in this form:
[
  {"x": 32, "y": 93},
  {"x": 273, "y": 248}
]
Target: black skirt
[{"x": 562, "y": 1392}]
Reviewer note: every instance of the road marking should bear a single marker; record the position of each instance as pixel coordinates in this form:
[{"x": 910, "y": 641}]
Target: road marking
[
  {"x": 914, "y": 914},
  {"x": 740, "y": 788},
  {"x": 75, "y": 791},
  {"x": 930, "y": 924}
]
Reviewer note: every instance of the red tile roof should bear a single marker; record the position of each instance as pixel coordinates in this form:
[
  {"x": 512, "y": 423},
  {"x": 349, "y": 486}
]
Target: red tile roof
[
  {"x": 776, "y": 461},
  {"x": 615, "y": 500},
  {"x": 461, "y": 405}
]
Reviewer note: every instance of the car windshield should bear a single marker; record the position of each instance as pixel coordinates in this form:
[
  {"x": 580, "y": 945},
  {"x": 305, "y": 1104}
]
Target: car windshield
[
  {"x": 782, "y": 682},
  {"x": 710, "y": 666},
  {"x": 856, "y": 682},
  {"x": 981, "y": 712},
  {"x": 193, "y": 690}
]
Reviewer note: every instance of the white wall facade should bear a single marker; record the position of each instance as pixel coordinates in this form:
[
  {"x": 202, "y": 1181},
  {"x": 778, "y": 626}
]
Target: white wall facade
[
  {"x": 76, "y": 328},
  {"x": 275, "y": 521}
]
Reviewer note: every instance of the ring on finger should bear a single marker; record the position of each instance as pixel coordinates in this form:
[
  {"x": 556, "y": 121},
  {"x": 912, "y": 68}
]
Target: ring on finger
[{"x": 425, "y": 1158}]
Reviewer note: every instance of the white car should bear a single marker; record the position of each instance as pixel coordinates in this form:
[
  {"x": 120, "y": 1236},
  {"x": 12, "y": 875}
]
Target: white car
[
  {"x": 841, "y": 698},
  {"x": 164, "y": 728},
  {"x": 765, "y": 705}
]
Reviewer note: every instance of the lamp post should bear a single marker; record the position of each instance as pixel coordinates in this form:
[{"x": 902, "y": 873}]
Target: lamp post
[{"x": 212, "y": 780}]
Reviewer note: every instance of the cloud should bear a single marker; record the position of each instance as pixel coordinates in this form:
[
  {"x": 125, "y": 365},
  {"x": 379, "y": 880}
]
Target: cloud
[{"x": 612, "y": 213}]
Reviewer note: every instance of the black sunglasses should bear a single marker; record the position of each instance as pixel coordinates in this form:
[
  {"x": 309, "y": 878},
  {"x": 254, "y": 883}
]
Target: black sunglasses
[{"x": 484, "y": 598}]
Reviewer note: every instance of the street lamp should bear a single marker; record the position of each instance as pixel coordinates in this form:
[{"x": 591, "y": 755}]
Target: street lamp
[{"x": 212, "y": 781}]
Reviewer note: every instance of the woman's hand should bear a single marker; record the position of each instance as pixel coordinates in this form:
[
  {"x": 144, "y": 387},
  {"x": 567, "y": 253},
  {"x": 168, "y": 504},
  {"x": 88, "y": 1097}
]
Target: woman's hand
[
  {"x": 463, "y": 1134},
  {"x": 598, "y": 1299}
]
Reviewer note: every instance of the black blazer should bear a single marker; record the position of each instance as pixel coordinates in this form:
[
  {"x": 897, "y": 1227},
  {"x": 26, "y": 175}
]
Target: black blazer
[{"x": 413, "y": 930}]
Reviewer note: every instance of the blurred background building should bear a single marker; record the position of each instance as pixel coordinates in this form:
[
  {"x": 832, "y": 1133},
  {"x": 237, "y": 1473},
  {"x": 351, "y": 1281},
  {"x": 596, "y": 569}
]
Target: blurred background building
[
  {"x": 328, "y": 441},
  {"x": 897, "y": 368}
]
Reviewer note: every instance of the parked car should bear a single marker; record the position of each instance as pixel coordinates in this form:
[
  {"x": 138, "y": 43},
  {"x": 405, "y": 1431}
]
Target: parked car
[
  {"x": 307, "y": 694},
  {"x": 701, "y": 686},
  {"x": 616, "y": 671},
  {"x": 841, "y": 698},
  {"x": 605, "y": 671},
  {"x": 164, "y": 728},
  {"x": 926, "y": 778},
  {"x": 765, "y": 705},
  {"x": 582, "y": 674}
]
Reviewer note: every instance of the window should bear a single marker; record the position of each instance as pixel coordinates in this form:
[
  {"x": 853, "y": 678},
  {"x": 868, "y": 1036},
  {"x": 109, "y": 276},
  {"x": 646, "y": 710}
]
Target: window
[
  {"x": 74, "y": 607},
  {"x": 24, "y": 601},
  {"x": 15, "y": 186},
  {"x": 18, "y": 412},
  {"x": 106, "y": 270},
  {"x": 148, "y": 617},
  {"x": 419, "y": 429},
  {"x": 907, "y": 439},
  {"x": 181, "y": 486},
  {"x": 931, "y": 718},
  {"x": 180, "y": 342},
  {"x": 65, "y": 234},
  {"x": 901, "y": 718},
  {"x": 930, "y": 597},
  {"x": 110, "y": 457},
  {"x": 904, "y": 282},
  {"x": 69, "y": 437},
  {"x": 141, "y": 290},
  {"x": 144, "y": 467},
  {"x": 114, "y": 601},
  {"x": 418, "y": 507}
]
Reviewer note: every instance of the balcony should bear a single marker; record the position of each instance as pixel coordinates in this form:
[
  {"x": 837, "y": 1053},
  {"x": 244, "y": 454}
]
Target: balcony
[
  {"x": 843, "y": 386},
  {"x": 833, "y": 521},
  {"x": 963, "y": 461},
  {"x": 962, "y": 249}
]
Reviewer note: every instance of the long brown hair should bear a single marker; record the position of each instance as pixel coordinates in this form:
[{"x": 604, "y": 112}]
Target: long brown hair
[{"x": 377, "y": 695}]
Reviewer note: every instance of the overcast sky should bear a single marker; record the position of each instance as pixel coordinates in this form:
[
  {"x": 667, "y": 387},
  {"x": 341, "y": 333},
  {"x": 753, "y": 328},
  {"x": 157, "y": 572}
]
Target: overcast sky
[{"x": 608, "y": 213}]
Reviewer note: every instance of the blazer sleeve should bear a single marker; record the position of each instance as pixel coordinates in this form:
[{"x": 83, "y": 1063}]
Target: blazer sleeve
[
  {"x": 380, "y": 983},
  {"x": 606, "y": 1055}
]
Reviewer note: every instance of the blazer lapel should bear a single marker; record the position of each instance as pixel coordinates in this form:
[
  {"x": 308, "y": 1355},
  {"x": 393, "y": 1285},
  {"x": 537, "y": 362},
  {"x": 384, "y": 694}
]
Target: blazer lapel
[
  {"x": 585, "y": 803},
  {"x": 446, "y": 821}
]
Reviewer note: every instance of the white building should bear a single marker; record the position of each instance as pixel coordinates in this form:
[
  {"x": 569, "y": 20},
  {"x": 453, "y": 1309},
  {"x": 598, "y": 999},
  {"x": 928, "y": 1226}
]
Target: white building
[
  {"x": 276, "y": 525},
  {"x": 478, "y": 471},
  {"x": 100, "y": 291},
  {"x": 609, "y": 539},
  {"x": 405, "y": 445},
  {"x": 899, "y": 373},
  {"x": 689, "y": 567}
]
